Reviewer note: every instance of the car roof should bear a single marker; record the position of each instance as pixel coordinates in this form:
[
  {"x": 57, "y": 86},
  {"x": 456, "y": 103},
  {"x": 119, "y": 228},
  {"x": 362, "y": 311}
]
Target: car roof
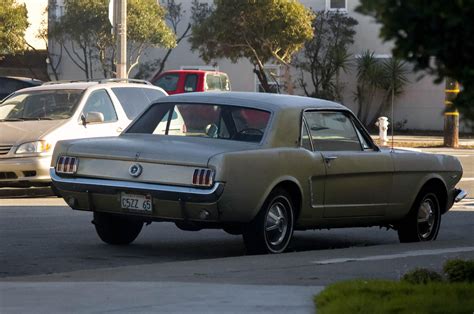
[
  {"x": 191, "y": 71},
  {"x": 86, "y": 85},
  {"x": 24, "y": 79},
  {"x": 263, "y": 101}
]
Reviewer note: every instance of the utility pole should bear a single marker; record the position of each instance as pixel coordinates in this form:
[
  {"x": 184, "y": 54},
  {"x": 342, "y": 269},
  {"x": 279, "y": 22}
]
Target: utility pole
[{"x": 121, "y": 35}]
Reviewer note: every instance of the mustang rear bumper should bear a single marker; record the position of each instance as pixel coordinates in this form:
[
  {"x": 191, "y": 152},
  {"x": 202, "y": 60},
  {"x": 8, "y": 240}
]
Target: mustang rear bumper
[
  {"x": 459, "y": 195},
  {"x": 170, "y": 203}
]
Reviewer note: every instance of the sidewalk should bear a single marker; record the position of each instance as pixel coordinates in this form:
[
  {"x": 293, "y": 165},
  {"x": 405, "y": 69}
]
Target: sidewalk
[{"x": 424, "y": 141}]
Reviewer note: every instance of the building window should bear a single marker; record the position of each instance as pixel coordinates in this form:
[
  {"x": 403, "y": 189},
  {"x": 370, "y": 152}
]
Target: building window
[
  {"x": 273, "y": 73},
  {"x": 336, "y": 5}
]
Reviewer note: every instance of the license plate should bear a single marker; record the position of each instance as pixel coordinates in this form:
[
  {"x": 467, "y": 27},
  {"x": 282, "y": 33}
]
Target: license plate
[{"x": 137, "y": 202}]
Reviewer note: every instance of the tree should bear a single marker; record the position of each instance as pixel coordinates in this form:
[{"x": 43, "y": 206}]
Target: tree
[
  {"x": 146, "y": 27},
  {"x": 327, "y": 54},
  {"x": 174, "y": 16},
  {"x": 84, "y": 33},
  {"x": 369, "y": 73},
  {"x": 385, "y": 79},
  {"x": 259, "y": 31},
  {"x": 85, "y": 45},
  {"x": 13, "y": 24},
  {"x": 392, "y": 82},
  {"x": 433, "y": 35}
]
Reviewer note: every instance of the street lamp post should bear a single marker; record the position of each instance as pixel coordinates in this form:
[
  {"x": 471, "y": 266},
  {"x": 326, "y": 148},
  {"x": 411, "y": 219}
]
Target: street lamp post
[{"x": 121, "y": 32}]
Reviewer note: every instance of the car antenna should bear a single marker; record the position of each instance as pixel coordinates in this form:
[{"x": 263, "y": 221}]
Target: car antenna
[{"x": 392, "y": 117}]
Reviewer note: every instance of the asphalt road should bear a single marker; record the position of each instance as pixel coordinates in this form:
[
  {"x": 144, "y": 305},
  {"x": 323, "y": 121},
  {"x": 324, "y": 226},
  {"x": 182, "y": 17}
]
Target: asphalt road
[{"x": 52, "y": 238}]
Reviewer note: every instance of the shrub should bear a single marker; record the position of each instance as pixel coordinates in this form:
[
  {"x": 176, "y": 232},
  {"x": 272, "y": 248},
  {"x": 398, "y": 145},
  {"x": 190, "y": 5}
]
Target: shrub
[
  {"x": 383, "y": 296},
  {"x": 457, "y": 270},
  {"x": 422, "y": 276}
]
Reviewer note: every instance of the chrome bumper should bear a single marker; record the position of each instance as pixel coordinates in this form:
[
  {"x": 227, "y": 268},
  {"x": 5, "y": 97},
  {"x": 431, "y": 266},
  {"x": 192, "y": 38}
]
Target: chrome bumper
[
  {"x": 459, "y": 195},
  {"x": 164, "y": 192}
]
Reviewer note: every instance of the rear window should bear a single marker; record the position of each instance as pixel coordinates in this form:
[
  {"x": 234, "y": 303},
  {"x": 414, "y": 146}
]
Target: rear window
[
  {"x": 198, "y": 120},
  {"x": 134, "y": 100},
  {"x": 169, "y": 82},
  {"x": 217, "y": 82}
]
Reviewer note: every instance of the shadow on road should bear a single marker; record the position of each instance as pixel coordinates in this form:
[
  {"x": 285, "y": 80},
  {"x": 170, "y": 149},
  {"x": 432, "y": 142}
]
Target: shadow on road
[{"x": 41, "y": 240}]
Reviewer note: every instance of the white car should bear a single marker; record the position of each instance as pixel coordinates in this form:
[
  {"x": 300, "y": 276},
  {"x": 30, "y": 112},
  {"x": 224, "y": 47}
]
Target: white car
[{"x": 32, "y": 120}]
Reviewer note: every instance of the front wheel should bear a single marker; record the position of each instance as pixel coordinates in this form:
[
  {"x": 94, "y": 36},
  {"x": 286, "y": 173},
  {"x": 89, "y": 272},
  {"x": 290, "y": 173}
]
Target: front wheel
[
  {"x": 423, "y": 221},
  {"x": 115, "y": 229},
  {"x": 272, "y": 228}
]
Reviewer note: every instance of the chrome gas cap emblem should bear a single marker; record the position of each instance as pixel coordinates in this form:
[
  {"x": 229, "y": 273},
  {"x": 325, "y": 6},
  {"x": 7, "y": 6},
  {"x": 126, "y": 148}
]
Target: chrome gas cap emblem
[{"x": 135, "y": 170}]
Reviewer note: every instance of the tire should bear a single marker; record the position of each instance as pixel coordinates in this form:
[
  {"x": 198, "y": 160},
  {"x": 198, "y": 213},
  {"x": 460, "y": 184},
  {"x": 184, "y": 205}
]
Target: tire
[
  {"x": 272, "y": 228},
  {"x": 424, "y": 219},
  {"x": 116, "y": 230}
]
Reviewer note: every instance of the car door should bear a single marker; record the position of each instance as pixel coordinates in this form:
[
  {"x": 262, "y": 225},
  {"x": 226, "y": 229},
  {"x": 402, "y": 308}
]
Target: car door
[
  {"x": 99, "y": 101},
  {"x": 358, "y": 175},
  {"x": 317, "y": 174}
]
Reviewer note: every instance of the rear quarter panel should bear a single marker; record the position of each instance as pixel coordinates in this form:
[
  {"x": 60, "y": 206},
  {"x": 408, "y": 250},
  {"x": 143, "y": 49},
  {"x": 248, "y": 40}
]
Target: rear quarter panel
[{"x": 250, "y": 176}]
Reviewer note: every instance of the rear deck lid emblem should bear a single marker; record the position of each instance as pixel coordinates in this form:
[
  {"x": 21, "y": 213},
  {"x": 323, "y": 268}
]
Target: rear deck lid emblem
[{"x": 135, "y": 170}]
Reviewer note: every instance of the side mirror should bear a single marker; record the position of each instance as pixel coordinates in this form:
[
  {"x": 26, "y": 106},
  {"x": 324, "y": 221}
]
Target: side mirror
[
  {"x": 211, "y": 130},
  {"x": 93, "y": 117}
]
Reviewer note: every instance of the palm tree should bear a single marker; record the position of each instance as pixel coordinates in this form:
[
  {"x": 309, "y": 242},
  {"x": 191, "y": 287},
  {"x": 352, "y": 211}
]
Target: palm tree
[
  {"x": 369, "y": 73},
  {"x": 392, "y": 82}
]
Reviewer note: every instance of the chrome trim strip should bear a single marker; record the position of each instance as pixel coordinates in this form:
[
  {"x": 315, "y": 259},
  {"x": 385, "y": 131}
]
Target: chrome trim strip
[
  {"x": 459, "y": 195},
  {"x": 168, "y": 192}
]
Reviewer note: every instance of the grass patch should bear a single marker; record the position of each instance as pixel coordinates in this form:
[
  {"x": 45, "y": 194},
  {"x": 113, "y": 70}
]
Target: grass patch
[{"x": 383, "y": 296}]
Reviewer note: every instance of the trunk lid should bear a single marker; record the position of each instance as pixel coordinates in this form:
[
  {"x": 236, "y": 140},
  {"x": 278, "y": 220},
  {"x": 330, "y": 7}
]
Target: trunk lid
[{"x": 174, "y": 150}]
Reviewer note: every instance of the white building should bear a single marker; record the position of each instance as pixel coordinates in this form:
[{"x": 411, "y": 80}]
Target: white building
[
  {"x": 420, "y": 107},
  {"x": 36, "y": 15}
]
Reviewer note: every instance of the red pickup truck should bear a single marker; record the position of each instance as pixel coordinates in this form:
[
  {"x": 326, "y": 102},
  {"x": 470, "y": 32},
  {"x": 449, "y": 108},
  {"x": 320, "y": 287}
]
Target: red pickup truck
[{"x": 185, "y": 81}]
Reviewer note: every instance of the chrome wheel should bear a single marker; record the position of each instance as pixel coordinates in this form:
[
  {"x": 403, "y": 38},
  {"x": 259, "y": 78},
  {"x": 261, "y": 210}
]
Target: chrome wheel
[
  {"x": 276, "y": 224},
  {"x": 271, "y": 230},
  {"x": 426, "y": 218}
]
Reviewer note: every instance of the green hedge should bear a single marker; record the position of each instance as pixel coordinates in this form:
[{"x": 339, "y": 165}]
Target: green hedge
[{"x": 383, "y": 296}]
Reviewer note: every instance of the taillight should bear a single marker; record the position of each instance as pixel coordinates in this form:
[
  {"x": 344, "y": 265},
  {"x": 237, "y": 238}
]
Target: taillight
[
  {"x": 67, "y": 165},
  {"x": 203, "y": 177}
]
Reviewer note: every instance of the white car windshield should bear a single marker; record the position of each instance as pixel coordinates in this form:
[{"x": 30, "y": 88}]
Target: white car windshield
[
  {"x": 40, "y": 105},
  {"x": 203, "y": 120}
]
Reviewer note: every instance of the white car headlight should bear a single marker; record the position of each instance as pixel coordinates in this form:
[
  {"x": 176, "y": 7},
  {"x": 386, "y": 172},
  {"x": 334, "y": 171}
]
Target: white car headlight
[{"x": 34, "y": 147}]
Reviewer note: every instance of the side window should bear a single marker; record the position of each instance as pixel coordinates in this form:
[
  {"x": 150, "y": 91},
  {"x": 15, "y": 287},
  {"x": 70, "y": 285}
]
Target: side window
[
  {"x": 133, "y": 100},
  {"x": 99, "y": 101},
  {"x": 190, "y": 84},
  {"x": 168, "y": 82},
  {"x": 332, "y": 131},
  {"x": 153, "y": 94},
  {"x": 305, "y": 138}
]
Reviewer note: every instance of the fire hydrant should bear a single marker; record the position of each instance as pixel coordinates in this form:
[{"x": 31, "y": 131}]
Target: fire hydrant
[{"x": 382, "y": 123}]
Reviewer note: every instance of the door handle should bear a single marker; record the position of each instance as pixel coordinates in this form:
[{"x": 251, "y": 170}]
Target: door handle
[{"x": 328, "y": 159}]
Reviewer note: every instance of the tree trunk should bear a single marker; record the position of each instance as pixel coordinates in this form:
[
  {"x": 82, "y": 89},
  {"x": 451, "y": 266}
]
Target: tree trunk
[
  {"x": 262, "y": 77},
  {"x": 451, "y": 129}
]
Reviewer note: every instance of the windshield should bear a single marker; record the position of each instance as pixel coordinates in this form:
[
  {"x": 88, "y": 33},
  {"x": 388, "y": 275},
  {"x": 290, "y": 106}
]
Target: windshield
[
  {"x": 198, "y": 120},
  {"x": 40, "y": 105}
]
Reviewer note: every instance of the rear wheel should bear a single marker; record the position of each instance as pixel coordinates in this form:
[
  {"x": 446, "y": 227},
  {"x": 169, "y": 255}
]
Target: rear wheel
[
  {"x": 272, "y": 228},
  {"x": 423, "y": 221},
  {"x": 115, "y": 229}
]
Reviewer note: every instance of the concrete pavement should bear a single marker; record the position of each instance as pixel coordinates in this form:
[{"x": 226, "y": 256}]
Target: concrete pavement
[{"x": 153, "y": 297}]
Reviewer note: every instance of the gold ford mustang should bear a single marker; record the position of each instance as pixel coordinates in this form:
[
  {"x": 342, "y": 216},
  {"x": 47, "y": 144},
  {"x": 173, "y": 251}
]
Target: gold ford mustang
[{"x": 260, "y": 165}]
